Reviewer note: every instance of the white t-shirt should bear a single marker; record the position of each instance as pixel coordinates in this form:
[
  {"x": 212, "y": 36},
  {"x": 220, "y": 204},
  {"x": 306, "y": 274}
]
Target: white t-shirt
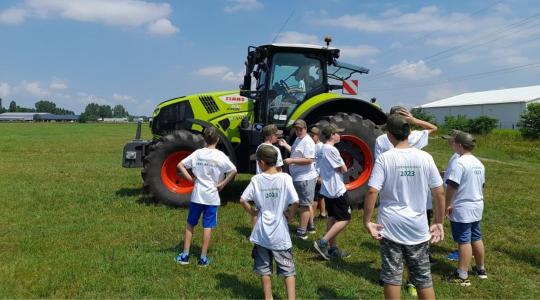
[
  {"x": 303, "y": 148},
  {"x": 318, "y": 148},
  {"x": 450, "y": 165},
  {"x": 209, "y": 167},
  {"x": 417, "y": 139},
  {"x": 279, "y": 161},
  {"x": 404, "y": 177},
  {"x": 272, "y": 194},
  {"x": 332, "y": 185},
  {"x": 468, "y": 203}
]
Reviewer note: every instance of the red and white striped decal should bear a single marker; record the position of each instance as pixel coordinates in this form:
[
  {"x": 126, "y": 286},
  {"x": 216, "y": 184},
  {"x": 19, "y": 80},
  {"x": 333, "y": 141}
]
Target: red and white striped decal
[{"x": 350, "y": 87}]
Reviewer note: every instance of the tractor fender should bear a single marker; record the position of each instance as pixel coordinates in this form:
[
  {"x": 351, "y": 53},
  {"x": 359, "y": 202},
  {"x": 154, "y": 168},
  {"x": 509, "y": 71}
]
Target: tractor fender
[{"x": 222, "y": 138}]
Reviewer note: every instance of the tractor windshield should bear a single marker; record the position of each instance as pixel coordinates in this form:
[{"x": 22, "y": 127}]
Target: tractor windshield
[
  {"x": 343, "y": 71},
  {"x": 294, "y": 75}
]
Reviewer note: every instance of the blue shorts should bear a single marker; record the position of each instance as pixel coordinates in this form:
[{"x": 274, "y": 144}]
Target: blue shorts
[
  {"x": 209, "y": 213},
  {"x": 465, "y": 233}
]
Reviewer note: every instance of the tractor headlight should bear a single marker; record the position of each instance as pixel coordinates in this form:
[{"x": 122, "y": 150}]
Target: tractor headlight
[{"x": 131, "y": 154}]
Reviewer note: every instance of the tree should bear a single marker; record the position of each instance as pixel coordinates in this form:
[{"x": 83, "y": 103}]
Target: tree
[
  {"x": 12, "y": 106},
  {"x": 45, "y": 106},
  {"x": 91, "y": 112},
  {"x": 105, "y": 111},
  {"x": 119, "y": 111},
  {"x": 483, "y": 124},
  {"x": 2, "y": 110},
  {"x": 529, "y": 125},
  {"x": 421, "y": 114}
]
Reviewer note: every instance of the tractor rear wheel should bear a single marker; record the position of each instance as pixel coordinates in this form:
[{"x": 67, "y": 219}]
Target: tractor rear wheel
[
  {"x": 357, "y": 150},
  {"x": 160, "y": 176}
]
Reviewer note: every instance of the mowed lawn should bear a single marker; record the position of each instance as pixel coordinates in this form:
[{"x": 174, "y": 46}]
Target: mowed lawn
[{"x": 73, "y": 224}]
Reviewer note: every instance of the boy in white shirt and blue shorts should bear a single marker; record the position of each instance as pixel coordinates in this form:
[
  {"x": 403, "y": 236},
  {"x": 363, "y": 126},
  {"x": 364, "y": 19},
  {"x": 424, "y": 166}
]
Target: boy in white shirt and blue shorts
[
  {"x": 209, "y": 166},
  {"x": 272, "y": 192}
]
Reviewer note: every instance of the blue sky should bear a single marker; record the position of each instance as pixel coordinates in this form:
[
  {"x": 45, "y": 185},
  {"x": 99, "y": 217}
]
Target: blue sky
[{"x": 139, "y": 53}]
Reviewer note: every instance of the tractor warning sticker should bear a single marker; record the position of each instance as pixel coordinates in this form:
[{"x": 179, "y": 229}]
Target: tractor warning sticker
[
  {"x": 350, "y": 87},
  {"x": 233, "y": 99}
]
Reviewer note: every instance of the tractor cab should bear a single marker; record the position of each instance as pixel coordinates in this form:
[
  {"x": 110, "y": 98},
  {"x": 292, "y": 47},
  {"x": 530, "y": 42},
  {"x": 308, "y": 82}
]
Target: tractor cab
[{"x": 279, "y": 77}]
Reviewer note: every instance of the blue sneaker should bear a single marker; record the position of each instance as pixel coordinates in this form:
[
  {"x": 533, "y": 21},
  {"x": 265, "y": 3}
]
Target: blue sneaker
[
  {"x": 182, "y": 258},
  {"x": 204, "y": 262},
  {"x": 453, "y": 256}
]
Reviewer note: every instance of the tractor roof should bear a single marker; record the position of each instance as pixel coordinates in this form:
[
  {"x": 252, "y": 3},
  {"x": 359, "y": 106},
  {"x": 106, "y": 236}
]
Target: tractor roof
[{"x": 330, "y": 52}]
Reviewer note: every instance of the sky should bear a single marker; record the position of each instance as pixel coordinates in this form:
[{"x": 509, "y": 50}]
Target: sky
[{"x": 139, "y": 53}]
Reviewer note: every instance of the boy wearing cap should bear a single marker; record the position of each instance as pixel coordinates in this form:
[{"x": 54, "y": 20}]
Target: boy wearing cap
[
  {"x": 333, "y": 189},
  {"x": 208, "y": 166},
  {"x": 318, "y": 201},
  {"x": 417, "y": 139},
  {"x": 302, "y": 169},
  {"x": 271, "y": 134},
  {"x": 465, "y": 205},
  {"x": 273, "y": 192},
  {"x": 404, "y": 176}
]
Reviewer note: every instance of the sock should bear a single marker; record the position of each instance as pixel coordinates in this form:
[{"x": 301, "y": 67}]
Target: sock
[
  {"x": 480, "y": 267},
  {"x": 462, "y": 274},
  {"x": 203, "y": 257},
  {"x": 300, "y": 231},
  {"x": 324, "y": 242},
  {"x": 186, "y": 252}
]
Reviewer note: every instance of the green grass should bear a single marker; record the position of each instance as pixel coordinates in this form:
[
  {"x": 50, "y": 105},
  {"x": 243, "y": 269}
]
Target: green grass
[{"x": 74, "y": 225}]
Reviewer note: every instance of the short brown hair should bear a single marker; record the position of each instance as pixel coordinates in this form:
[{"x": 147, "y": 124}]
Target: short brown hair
[{"x": 211, "y": 135}]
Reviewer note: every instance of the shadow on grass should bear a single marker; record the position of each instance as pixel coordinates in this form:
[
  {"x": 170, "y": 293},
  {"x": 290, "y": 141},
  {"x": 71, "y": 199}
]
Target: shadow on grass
[
  {"x": 243, "y": 230},
  {"x": 239, "y": 289},
  {"x": 129, "y": 192},
  {"x": 359, "y": 269},
  {"x": 194, "y": 251},
  {"x": 524, "y": 256},
  {"x": 328, "y": 293}
]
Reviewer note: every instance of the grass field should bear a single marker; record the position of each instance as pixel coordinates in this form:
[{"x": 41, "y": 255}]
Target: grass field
[{"x": 73, "y": 224}]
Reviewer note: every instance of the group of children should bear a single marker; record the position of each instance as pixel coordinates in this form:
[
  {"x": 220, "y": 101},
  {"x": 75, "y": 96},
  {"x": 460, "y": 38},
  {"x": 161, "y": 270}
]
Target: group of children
[{"x": 403, "y": 179}]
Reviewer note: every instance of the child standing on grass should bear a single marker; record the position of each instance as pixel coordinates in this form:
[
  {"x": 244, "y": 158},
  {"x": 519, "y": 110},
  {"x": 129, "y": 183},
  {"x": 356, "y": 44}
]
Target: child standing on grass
[
  {"x": 318, "y": 201},
  {"x": 465, "y": 205},
  {"x": 208, "y": 166},
  {"x": 404, "y": 176},
  {"x": 332, "y": 168},
  {"x": 273, "y": 192}
]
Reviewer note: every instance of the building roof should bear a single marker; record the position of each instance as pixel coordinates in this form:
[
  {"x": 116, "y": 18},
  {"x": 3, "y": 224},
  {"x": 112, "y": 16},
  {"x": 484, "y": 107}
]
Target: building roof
[
  {"x": 513, "y": 95},
  {"x": 17, "y": 114}
]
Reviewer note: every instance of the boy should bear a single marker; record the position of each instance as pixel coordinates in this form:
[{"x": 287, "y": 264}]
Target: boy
[
  {"x": 273, "y": 192},
  {"x": 302, "y": 170},
  {"x": 318, "y": 201},
  {"x": 208, "y": 166},
  {"x": 333, "y": 189},
  {"x": 465, "y": 205},
  {"x": 404, "y": 176},
  {"x": 271, "y": 134}
]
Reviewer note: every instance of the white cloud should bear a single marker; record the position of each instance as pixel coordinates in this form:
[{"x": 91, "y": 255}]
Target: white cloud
[
  {"x": 121, "y": 13},
  {"x": 13, "y": 16},
  {"x": 33, "y": 89},
  {"x": 413, "y": 70},
  {"x": 57, "y": 84},
  {"x": 5, "y": 89},
  {"x": 123, "y": 98},
  {"x": 502, "y": 8},
  {"x": 221, "y": 72},
  {"x": 162, "y": 27},
  {"x": 242, "y": 5},
  {"x": 357, "y": 51},
  {"x": 444, "y": 91},
  {"x": 295, "y": 37},
  {"x": 463, "y": 58}
]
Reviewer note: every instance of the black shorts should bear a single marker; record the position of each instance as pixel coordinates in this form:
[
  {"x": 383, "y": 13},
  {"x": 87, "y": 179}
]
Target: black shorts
[
  {"x": 338, "y": 208},
  {"x": 318, "y": 192}
]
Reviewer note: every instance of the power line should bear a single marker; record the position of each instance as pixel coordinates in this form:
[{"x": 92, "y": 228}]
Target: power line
[{"x": 283, "y": 26}]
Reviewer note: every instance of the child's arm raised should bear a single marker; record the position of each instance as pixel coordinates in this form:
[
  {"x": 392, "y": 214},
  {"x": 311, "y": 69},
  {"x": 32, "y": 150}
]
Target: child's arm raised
[
  {"x": 225, "y": 181},
  {"x": 184, "y": 172}
]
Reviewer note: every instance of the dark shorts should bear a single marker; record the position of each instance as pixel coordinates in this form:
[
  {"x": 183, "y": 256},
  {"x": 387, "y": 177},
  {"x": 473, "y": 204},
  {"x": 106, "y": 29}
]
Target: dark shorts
[
  {"x": 263, "y": 261},
  {"x": 318, "y": 192},
  {"x": 338, "y": 208},
  {"x": 209, "y": 213},
  {"x": 416, "y": 257},
  {"x": 466, "y": 233},
  {"x": 306, "y": 191}
]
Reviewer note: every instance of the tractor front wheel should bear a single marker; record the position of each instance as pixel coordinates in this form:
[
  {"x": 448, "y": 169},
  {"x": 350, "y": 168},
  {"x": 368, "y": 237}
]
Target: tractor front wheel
[
  {"x": 161, "y": 178},
  {"x": 357, "y": 150}
]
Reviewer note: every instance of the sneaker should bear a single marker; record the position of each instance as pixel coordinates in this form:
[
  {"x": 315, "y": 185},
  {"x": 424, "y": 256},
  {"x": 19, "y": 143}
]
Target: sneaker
[
  {"x": 322, "y": 247},
  {"x": 301, "y": 235},
  {"x": 321, "y": 216},
  {"x": 455, "y": 279},
  {"x": 453, "y": 256},
  {"x": 411, "y": 290},
  {"x": 182, "y": 258},
  {"x": 204, "y": 262},
  {"x": 311, "y": 229},
  {"x": 481, "y": 273},
  {"x": 335, "y": 252}
]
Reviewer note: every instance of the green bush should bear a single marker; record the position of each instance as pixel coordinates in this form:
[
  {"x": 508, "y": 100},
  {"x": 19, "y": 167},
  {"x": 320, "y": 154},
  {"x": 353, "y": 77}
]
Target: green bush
[
  {"x": 529, "y": 125},
  {"x": 459, "y": 122},
  {"x": 482, "y": 125},
  {"x": 421, "y": 114}
]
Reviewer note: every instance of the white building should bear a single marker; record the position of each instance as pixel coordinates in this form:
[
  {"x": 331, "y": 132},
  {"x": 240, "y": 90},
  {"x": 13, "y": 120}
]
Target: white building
[{"x": 505, "y": 105}]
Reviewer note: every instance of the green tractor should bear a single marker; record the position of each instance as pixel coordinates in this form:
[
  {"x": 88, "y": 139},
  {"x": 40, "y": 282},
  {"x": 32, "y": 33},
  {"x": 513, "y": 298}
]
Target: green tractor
[{"x": 282, "y": 83}]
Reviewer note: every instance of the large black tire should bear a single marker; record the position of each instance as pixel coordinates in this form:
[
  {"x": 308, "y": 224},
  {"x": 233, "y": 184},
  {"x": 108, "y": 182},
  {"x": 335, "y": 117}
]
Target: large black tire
[
  {"x": 161, "y": 180},
  {"x": 357, "y": 149}
]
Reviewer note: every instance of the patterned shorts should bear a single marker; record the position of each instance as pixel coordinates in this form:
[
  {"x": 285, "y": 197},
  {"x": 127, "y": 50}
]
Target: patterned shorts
[
  {"x": 263, "y": 259},
  {"x": 416, "y": 257}
]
